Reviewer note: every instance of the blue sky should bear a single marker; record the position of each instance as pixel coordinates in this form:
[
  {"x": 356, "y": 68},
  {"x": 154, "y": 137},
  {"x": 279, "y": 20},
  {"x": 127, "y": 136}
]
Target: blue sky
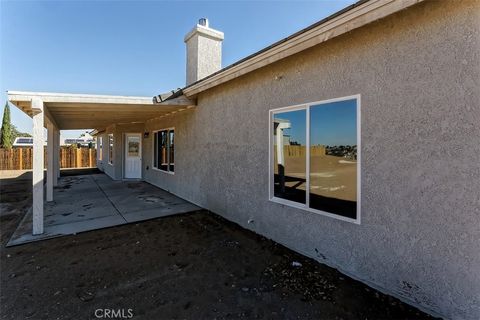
[
  {"x": 334, "y": 123},
  {"x": 297, "y": 130},
  {"x": 130, "y": 48},
  {"x": 331, "y": 124}
]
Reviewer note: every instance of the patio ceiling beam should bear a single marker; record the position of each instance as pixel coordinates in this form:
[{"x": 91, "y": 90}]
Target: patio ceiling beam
[
  {"x": 48, "y": 97},
  {"x": 50, "y": 118}
]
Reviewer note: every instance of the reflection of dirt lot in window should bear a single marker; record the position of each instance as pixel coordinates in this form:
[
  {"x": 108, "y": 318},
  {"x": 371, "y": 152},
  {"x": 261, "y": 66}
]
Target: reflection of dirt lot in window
[{"x": 334, "y": 177}]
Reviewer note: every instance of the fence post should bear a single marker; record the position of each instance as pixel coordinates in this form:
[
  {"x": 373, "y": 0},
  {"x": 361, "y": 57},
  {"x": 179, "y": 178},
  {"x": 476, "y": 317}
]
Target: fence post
[
  {"x": 90, "y": 157},
  {"x": 79, "y": 158},
  {"x": 20, "y": 160}
]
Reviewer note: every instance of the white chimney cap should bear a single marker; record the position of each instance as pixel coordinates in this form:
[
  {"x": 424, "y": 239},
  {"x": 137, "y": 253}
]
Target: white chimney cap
[{"x": 203, "y": 22}]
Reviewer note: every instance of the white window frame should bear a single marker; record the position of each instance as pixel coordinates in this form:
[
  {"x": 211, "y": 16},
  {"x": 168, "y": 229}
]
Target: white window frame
[
  {"x": 306, "y": 107},
  {"x": 111, "y": 148},
  {"x": 153, "y": 151},
  {"x": 100, "y": 148}
]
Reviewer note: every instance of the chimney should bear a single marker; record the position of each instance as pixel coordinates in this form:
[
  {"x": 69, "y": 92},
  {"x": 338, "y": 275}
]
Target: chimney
[{"x": 204, "y": 51}]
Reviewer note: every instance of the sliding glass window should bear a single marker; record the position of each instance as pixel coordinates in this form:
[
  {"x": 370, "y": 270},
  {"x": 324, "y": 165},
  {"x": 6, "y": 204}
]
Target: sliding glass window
[
  {"x": 314, "y": 160},
  {"x": 163, "y": 150}
]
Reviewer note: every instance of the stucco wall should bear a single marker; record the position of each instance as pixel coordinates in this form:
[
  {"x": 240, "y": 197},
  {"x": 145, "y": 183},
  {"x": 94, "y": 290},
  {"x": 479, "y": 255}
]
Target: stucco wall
[{"x": 418, "y": 75}]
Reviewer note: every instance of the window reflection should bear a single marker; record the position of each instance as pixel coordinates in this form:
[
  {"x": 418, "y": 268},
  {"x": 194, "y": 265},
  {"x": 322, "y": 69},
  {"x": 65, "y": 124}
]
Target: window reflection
[
  {"x": 333, "y": 157},
  {"x": 133, "y": 146},
  {"x": 289, "y": 153},
  {"x": 155, "y": 150},
  {"x": 172, "y": 150},
  {"x": 164, "y": 150}
]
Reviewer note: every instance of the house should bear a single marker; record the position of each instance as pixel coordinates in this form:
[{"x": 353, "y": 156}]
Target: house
[
  {"x": 24, "y": 142},
  {"x": 85, "y": 140},
  {"x": 395, "y": 84}
]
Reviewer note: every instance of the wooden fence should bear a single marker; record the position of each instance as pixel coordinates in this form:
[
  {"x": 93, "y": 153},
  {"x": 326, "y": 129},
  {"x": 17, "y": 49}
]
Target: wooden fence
[
  {"x": 301, "y": 151},
  {"x": 21, "y": 158}
]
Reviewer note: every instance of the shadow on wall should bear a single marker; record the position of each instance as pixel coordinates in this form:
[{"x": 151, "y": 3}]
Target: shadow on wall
[{"x": 345, "y": 208}]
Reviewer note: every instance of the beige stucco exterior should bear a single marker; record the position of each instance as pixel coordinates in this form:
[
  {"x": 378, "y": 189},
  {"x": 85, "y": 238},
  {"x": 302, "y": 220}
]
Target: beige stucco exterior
[
  {"x": 204, "y": 52},
  {"x": 417, "y": 72},
  {"x": 418, "y": 75}
]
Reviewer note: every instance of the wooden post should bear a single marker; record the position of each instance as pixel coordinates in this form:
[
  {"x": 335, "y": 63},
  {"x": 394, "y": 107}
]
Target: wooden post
[
  {"x": 20, "y": 158},
  {"x": 79, "y": 158},
  {"x": 38, "y": 155},
  {"x": 90, "y": 162}
]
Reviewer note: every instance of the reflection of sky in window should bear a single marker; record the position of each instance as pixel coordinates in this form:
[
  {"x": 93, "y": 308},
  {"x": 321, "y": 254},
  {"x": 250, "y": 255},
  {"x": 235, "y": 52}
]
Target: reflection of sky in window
[
  {"x": 297, "y": 122},
  {"x": 334, "y": 123}
]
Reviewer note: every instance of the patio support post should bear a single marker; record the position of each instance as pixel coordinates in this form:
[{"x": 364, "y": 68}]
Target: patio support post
[
  {"x": 38, "y": 165},
  {"x": 51, "y": 174},
  {"x": 56, "y": 156}
]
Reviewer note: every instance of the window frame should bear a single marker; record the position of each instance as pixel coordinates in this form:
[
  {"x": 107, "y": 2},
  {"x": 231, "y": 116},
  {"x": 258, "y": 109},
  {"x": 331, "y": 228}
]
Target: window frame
[
  {"x": 100, "y": 148},
  {"x": 111, "y": 149},
  {"x": 168, "y": 154},
  {"x": 306, "y": 205}
]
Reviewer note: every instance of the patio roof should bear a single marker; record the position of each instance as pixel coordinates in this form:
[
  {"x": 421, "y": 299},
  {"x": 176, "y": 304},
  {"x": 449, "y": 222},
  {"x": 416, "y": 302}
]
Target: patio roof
[
  {"x": 80, "y": 111},
  {"x": 64, "y": 111}
]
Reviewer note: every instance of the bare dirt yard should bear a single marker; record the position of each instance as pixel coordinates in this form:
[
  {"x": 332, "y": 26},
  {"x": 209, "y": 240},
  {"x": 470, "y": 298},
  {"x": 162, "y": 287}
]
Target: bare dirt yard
[{"x": 190, "y": 266}]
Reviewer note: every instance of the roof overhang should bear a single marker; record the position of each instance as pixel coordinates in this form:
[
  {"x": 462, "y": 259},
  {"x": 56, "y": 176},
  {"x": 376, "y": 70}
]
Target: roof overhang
[
  {"x": 81, "y": 111},
  {"x": 352, "y": 17}
]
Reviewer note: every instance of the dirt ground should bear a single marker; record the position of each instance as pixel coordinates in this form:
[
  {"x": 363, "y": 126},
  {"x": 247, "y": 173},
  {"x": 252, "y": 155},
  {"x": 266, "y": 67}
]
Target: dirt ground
[
  {"x": 330, "y": 176},
  {"x": 191, "y": 266}
]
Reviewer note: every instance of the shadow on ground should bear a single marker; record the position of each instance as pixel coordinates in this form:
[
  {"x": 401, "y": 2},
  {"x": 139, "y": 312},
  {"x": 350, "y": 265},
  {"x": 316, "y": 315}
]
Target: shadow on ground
[{"x": 191, "y": 266}]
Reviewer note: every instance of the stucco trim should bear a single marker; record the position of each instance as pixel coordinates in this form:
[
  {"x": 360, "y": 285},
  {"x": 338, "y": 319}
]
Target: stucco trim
[
  {"x": 353, "y": 18},
  {"x": 205, "y": 31},
  {"x": 27, "y": 96}
]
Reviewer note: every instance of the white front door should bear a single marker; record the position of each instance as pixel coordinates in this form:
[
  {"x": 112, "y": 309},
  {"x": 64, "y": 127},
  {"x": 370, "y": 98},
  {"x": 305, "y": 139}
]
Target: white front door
[{"x": 133, "y": 155}]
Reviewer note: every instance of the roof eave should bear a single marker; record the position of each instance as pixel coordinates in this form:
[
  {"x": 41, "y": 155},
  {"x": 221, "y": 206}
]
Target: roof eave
[{"x": 348, "y": 19}]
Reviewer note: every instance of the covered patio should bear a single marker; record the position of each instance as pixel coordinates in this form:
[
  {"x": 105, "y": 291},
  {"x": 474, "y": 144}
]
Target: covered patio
[
  {"x": 95, "y": 201},
  {"x": 60, "y": 111}
]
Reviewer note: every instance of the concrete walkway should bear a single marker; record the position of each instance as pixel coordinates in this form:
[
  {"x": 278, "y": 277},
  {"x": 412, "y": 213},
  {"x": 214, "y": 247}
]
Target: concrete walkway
[{"x": 90, "y": 202}]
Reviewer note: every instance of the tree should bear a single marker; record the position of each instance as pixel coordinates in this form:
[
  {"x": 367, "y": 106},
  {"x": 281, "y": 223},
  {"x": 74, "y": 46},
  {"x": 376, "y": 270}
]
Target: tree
[
  {"x": 6, "y": 131},
  {"x": 16, "y": 133}
]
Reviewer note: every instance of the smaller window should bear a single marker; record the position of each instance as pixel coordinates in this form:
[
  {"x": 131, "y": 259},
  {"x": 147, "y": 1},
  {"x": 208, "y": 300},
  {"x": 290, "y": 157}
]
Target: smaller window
[
  {"x": 110, "y": 148},
  {"x": 163, "y": 150},
  {"x": 100, "y": 148}
]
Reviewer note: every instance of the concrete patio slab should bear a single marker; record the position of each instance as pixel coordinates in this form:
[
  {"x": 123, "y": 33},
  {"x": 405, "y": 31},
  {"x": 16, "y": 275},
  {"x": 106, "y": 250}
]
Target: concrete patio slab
[
  {"x": 94, "y": 201},
  {"x": 142, "y": 199},
  {"x": 155, "y": 213}
]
